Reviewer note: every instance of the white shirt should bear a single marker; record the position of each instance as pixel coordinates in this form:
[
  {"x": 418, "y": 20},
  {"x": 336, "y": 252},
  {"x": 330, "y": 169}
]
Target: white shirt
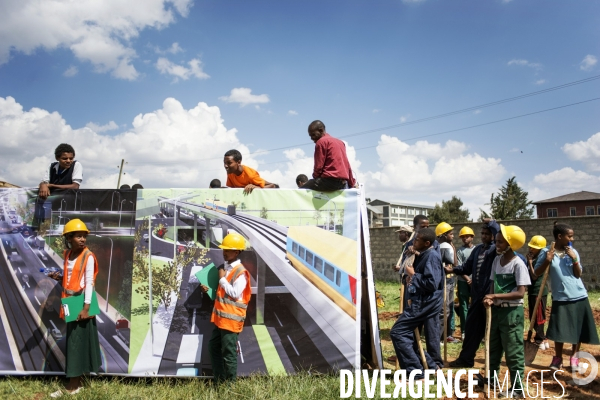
[
  {"x": 77, "y": 176},
  {"x": 87, "y": 279},
  {"x": 237, "y": 289}
]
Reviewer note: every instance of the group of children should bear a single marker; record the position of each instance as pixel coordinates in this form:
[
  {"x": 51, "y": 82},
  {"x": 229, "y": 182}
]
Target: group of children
[{"x": 490, "y": 275}]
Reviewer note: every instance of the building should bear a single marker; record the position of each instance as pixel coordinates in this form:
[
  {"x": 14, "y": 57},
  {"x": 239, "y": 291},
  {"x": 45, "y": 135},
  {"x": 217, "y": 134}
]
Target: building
[
  {"x": 578, "y": 204},
  {"x": 382, "y": 213}
]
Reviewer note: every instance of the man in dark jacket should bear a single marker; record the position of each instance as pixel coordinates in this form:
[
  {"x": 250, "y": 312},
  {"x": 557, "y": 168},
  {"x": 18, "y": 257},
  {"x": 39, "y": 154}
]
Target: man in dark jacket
[{"x": 479, "y": 264}]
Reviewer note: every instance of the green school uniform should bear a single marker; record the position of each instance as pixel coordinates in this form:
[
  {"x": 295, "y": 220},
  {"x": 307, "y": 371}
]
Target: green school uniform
[{"x": 506, "y": 334}]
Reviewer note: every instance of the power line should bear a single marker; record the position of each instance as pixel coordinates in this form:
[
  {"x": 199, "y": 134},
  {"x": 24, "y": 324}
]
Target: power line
[
  {"x": 417, "y": 121},
  {"x": 446, "y": 132}
]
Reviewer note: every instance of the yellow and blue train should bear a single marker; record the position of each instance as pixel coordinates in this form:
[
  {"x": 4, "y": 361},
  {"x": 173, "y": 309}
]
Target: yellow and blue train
[{"x": 328, "y": 260}]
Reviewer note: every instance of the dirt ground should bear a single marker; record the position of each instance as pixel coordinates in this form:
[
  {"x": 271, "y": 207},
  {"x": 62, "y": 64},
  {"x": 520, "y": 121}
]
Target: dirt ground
[{"x": 543, "y": 359}]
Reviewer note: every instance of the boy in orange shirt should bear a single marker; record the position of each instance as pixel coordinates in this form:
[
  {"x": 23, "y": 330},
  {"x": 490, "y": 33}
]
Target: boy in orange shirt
[{"x": 242, "y": 176}]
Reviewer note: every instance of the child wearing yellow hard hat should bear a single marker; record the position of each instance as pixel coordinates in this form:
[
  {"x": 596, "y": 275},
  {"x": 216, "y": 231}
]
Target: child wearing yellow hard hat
[
  {"x": 571, "y": 317},
  {"x": 467, "y": 235},
  {"x": 509, "y": 280},
  {"x": 445, "y": 235},
  {"x": 536, "y": 244},
  {"x": 80, "y": 268},
  {"x": 229, "y": 312}
]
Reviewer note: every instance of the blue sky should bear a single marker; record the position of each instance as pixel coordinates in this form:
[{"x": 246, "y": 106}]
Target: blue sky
[{"x": 171, "y": 85}]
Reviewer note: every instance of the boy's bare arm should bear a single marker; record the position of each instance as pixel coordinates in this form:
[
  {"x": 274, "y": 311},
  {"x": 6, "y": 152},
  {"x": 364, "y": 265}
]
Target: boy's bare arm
[{"x": 516, "y": 295}]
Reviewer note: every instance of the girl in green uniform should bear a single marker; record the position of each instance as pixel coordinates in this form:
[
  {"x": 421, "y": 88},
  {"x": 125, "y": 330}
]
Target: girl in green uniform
[{"x": 80, "y": 270}]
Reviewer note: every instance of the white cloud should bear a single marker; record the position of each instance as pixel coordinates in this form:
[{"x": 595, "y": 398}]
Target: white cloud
[
  {"x": 404, "y": 118},
  {"x": 525, "y": 63},
  {"x": 560, "y": 182},
  {"x": 540, "y": 81},
  {"x": 168, "y": 147},
  {"x": 477, "y": 112},
  {"x": 292, "y": 112},
  {"x": 588, "y": 63},
  {"x": 179, "y": 71},
  {"x": 174, "y": 49},
  {"x": 244, "y": 96},
  {"x": 429, "y": 172},
  {"x": 587, "y": 152},
  {"x": 376, "y": 110},
  {"x": 99, "y": 32},
  {"x": 111, "y": 126},
  {"x": 71, "y": 71}
]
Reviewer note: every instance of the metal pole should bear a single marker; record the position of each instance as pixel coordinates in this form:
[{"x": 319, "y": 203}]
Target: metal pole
[
  {"x": 120, "y": 211},
  {"x": 132, "y": 215},
  {"x": 150, "y": 279},
  {"x": 174, "y": 229},
  {"x": 112, "y": 198},
  {"x": 109, "y": 269},
  {"x": 75, "y": 205},
  {"x": 120, "y": 173}
]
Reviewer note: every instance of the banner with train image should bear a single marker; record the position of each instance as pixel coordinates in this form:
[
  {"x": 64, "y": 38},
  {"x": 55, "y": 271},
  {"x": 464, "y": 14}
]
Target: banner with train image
[{"x": 305, "y": 253}]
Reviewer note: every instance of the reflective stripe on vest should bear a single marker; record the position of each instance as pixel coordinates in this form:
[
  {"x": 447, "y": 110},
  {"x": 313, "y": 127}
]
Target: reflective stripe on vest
[
  {"x": 231, "y": 302},
  {"x": 229, "y": 313},
  {"x": 223, "y": 314}
]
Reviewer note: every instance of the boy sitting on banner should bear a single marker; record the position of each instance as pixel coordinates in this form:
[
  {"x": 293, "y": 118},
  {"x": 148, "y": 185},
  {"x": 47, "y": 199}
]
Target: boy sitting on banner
[
  {"x": 423, "y": 305},
  {"x": 65, "y": 173},
  {"x": 229, "y": 312},
  {"x": 510, "y": 279},
  {"x": 242, "y": 176}
]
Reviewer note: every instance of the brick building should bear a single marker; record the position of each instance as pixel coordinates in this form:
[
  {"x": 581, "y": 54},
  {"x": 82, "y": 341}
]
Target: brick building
[{"x": 578, "y": 204}]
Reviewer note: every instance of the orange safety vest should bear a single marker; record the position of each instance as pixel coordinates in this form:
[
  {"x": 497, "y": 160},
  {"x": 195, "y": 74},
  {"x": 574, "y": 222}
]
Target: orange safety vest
[
  {"x": 229, "y": 313},
  {"x": 74, "y": 284}
]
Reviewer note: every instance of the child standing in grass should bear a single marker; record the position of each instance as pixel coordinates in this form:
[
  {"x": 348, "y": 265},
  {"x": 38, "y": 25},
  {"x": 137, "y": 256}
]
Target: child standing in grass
[
  {"x": 509, "y": 281},
  {"x": 229, "y": 313},
  {"x": 536, "y": 244},
  {"x": 571, "y": 318}
]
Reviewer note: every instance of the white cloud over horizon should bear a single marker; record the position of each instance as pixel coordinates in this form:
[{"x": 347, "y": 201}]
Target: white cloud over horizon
[
  {"x": 71, "y": 71},
  {"x": 165, "y": 66},
  {"x": 243, "y": 96},
  {"x": 111, "y": 126},
  {"x": 524, "y": 63},
  {"x": 97, "y": 32},
  {"x": 588, "y": 63}
]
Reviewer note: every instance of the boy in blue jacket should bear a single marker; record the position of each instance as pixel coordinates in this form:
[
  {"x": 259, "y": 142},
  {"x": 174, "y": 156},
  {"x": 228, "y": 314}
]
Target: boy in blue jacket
[{"x": 423, "y": 304}]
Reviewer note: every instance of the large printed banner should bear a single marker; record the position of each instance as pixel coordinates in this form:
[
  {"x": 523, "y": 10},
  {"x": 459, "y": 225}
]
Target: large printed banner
[{"x": 304, "y": 252}]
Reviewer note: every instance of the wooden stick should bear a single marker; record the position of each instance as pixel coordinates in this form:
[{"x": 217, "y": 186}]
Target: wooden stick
[
  {"x": 445, "y": 321},
  {"x": 423, "y": 359},
  {"x": 539, "y": 297},
  {"x": 488, "y": 328}
]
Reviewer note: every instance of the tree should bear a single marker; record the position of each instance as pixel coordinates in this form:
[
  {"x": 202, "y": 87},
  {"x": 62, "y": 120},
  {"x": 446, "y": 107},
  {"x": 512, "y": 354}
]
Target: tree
[
  {"x": 511, "y": 202},
  {"x": 264, "y": 214},
  {"x": 450, "y": 211}
]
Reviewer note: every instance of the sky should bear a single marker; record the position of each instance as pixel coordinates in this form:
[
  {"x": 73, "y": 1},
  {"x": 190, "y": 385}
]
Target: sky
[{"x": 171, "y": 85}]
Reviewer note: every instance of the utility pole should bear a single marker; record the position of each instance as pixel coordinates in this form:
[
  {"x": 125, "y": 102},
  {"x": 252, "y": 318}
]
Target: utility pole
[{"x": 120, "y": 173}]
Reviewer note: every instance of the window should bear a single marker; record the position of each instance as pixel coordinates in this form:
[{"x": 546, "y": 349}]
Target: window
[
  {"x": 301, "y": 252},
  {"x": 411, "y": 211},
  {"x": 589, "y": 210},
  {"x": 573, "y": 211},
  {"x": 338, "y": 278},
  {"x": 396, "y": 222},
  {"x": 329, "y": 272},
  {"x": 309, "y": 258},
  {"x": 403, "y": 211},
  {"x": 552, "y": 212},
  {"x": 295, "y": 247},
  {"x": 319, "y": 264}
]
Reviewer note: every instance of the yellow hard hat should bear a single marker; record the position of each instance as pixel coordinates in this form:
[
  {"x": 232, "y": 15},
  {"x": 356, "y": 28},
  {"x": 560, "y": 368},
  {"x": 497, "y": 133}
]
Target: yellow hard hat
[
  {"x": 442, "y": 228},
  {"x": 75, "y": 225},
  {"x": 537, "y": 242},
  {"x": 233, "y": 241},
  {"x": 514, "y": 236},
  {"x": 466, "y": 231}
]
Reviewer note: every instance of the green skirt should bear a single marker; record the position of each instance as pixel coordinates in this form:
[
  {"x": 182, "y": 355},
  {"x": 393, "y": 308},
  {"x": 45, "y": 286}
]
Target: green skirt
[
  {"x": 572, "y": 322},
  {"x": 83, "y": 348}
]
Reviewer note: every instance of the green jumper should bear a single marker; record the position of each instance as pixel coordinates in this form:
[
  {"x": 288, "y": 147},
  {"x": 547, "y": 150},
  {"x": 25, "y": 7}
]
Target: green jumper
[{"x": 506, "y": 336}]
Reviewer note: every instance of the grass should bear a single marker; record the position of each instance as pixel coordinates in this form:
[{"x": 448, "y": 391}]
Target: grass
[{"x": 300, "y": 386}]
